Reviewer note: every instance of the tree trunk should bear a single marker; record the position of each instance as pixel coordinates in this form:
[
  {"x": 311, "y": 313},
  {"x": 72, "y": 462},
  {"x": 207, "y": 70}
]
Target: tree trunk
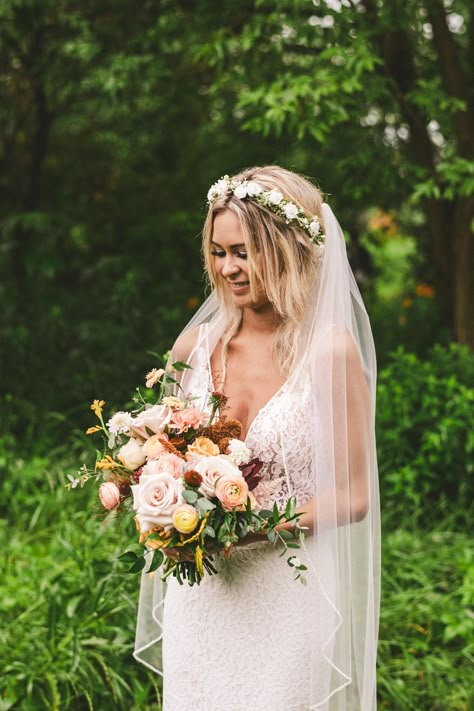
[{"x": 464, "y": 266}]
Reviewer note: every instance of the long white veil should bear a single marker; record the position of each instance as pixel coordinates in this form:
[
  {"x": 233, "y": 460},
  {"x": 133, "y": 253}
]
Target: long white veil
[{"x": 336, "y": 355}]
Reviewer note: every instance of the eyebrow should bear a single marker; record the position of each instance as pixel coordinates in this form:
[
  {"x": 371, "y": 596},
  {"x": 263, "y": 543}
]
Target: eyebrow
[{"x": 232, "y": 246}]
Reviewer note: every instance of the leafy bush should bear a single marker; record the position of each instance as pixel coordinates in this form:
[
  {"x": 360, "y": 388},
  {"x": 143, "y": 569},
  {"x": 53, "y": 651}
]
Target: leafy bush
[
  {"x": 426, "y": 647},
  {"x": 425, "y": 429}
]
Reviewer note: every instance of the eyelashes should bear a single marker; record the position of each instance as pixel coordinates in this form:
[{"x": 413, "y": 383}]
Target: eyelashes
[{"x": 240, "y": 255}]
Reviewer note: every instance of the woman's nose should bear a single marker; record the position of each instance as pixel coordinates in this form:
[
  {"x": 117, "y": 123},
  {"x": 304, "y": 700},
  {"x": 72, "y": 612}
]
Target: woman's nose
[{"x": 230, "y": 266}]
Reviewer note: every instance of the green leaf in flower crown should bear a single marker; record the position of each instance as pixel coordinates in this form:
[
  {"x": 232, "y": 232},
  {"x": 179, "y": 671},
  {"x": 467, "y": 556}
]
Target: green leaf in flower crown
[
  {"x": 265, "y": 513},
  {"x": 156, "y": 561},
  {"x": 190, "y": 496},
  {"x": 180, "y": 366},
  {"x": 275, "y": 514}
]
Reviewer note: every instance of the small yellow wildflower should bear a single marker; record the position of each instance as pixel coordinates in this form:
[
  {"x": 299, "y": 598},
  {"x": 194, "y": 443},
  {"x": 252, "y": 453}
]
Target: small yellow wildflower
[
  {"x": 91, "y": 430},
  {"x": 106, "y": 463},
  {"x": 97, "y": 406}
]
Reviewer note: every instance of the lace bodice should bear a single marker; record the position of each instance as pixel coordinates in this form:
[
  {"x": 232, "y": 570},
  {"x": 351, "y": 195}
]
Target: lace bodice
[{"x": 281, "y": 435}]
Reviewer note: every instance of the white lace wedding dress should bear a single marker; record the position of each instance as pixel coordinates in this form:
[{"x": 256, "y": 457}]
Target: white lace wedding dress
[{"x": 241, "y": 640}]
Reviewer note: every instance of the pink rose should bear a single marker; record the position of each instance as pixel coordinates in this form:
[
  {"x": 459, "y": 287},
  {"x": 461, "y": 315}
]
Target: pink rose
[
  {"x": 211, "y": 468},
  {"x": 151, "y": 421},
  {"x": 232, "y": 492},
  {"x": 154, "y": 446},
  {"x": 109, "y": 495},
  {"x": 172, "y": 464},
  {"x": 155, "y": 499},
  {"x": 182, "y": 420}
]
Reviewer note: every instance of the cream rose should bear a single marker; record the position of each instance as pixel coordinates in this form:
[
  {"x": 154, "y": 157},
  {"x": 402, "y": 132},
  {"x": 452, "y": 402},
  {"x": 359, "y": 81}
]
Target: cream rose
[
  {"x": 253, "y": 188},
  {"x": 154, "y": 447},
  {"x": 185, "y": 518},
  {"x": 109, "y": 495},
  {"x": 211, "y": 468},
  {"x": 182, "y": 420},
  {"x": 155, "y": 499},
  {"x": 232, "y": 491},
  {"x": 240, "y": 191},
  {"x": 153, "y": 419},
  {"x": 131, "y": 455},
  {"x": 202, "y": 447}
]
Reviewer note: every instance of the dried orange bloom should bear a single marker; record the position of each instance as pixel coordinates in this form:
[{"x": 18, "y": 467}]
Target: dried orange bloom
[
  {"x": 97, "y": 406},
  {"x": 91, "y": 430}
]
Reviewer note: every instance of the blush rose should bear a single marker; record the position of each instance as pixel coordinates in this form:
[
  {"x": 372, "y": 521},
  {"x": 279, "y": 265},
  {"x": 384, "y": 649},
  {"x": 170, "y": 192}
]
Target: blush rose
[
  {"x": 155, "y": 499},
  {"x": 109, "y": 495},
  {"x": 232, "y": 492}
]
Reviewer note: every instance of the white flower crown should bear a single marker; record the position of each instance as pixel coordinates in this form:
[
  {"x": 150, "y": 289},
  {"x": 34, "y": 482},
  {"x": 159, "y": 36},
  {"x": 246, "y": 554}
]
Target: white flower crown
[{"x": 271, "y": 199}]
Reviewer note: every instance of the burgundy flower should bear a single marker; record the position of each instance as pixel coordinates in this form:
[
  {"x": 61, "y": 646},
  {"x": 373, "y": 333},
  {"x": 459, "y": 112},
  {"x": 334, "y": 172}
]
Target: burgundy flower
[
  {"x": 192, "y": 478},
  {"x": 250, "y": 472},
  {"x": 137, "y": 474}
]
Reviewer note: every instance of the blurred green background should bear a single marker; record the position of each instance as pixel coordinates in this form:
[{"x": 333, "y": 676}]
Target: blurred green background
[{"x": 115, "y": 118}]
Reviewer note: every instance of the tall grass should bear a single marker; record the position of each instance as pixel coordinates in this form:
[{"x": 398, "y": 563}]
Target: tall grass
[{"x": 68, "y": 610}]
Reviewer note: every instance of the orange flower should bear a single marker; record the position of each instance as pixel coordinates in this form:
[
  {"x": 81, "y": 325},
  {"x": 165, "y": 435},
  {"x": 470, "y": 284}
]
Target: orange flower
[
  {"x": 203, "y": 447},
  {"x": 91, "y": 430},
  {"x": 407, "y": 303},
  {"x": 106, "y": 463},
  {"x": 97, "y": 406},
  {"x": 425, "y": 291}
]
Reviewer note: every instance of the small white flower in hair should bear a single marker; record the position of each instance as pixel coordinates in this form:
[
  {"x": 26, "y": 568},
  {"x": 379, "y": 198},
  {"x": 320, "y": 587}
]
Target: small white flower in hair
[
  {"x": 314, "y": 227},
  {"x": 290, "y": 210},
  {"x": 275, "y": 197},
  {"x": 241, "y": 191},
  {"x": 253, "y": 188}
]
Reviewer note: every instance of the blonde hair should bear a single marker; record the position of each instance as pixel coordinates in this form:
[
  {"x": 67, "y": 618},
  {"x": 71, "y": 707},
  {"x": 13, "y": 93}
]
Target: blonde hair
[{"x": 288, "y": 262}]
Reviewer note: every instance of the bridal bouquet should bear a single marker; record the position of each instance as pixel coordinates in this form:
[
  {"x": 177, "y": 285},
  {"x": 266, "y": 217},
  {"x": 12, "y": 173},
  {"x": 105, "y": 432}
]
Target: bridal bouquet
[{"x": 189, "y": 481}]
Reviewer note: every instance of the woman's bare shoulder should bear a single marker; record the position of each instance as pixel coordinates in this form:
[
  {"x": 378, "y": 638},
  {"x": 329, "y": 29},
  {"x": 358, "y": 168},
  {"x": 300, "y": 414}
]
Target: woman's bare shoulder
[{"x": 184, "y": 344}]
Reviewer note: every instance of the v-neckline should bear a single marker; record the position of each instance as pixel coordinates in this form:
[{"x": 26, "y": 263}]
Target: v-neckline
[{"x": 259, "y": 411}]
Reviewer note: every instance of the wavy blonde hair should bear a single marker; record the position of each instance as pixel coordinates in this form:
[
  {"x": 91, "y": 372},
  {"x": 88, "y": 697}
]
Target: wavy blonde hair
[{"x": 288, "y": 262}]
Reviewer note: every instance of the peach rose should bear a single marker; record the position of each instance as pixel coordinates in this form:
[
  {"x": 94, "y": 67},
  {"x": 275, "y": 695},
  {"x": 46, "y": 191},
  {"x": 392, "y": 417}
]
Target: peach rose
[
  {"x": 185, "y": 518},
  {"x": 203, "y": 447},
  {"x": 154, "y": 446},
  {"x": 155, "y": 499},
  {"x": 232, "y": 492},
  {"x": 211, "y": 468},
  {"x": 131, "y": 455},
  {"x": 150, "y": 421},
  {"x": 109, "y": 495},
  {"x": 182, "y": 420}
]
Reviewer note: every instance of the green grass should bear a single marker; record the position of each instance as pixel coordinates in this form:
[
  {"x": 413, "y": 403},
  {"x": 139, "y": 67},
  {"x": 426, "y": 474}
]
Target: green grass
[{"x": 68, "y": 610}]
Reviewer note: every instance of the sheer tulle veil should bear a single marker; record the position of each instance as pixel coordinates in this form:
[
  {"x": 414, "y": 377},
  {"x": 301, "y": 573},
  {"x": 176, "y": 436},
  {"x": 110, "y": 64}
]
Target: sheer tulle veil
[{"x": 336, "y": 356}]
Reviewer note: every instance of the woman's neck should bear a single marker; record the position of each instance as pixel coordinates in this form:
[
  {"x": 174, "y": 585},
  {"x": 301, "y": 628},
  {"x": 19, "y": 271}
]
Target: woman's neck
[{"x": 262, "y": 319}]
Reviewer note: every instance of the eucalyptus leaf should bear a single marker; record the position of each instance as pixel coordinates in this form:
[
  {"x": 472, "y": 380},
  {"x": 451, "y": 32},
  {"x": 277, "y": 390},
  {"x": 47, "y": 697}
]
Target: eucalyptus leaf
[
  {"x": 180, "y": 366},
  {"x": 190, "y": 496}
]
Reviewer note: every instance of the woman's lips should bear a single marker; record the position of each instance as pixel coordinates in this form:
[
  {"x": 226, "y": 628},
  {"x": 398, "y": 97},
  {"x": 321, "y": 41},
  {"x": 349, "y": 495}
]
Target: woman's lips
[{"x": 238, "y": 287}]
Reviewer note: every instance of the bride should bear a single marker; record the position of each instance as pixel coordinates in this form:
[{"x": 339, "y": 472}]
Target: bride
[{"x": 285, "y": 336}]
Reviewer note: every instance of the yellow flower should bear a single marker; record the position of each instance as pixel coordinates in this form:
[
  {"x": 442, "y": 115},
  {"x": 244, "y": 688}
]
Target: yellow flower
[
  {"x": 198, "y": 557},
  {"x": 106, "y": 463},
  {"x": 407, "y": 303},
  {"x": 185, "y": 518},
  {"x": 97, "y": 406},
  {"x": 91, "y": 430},
  {"x": 154, "y": 543}
]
